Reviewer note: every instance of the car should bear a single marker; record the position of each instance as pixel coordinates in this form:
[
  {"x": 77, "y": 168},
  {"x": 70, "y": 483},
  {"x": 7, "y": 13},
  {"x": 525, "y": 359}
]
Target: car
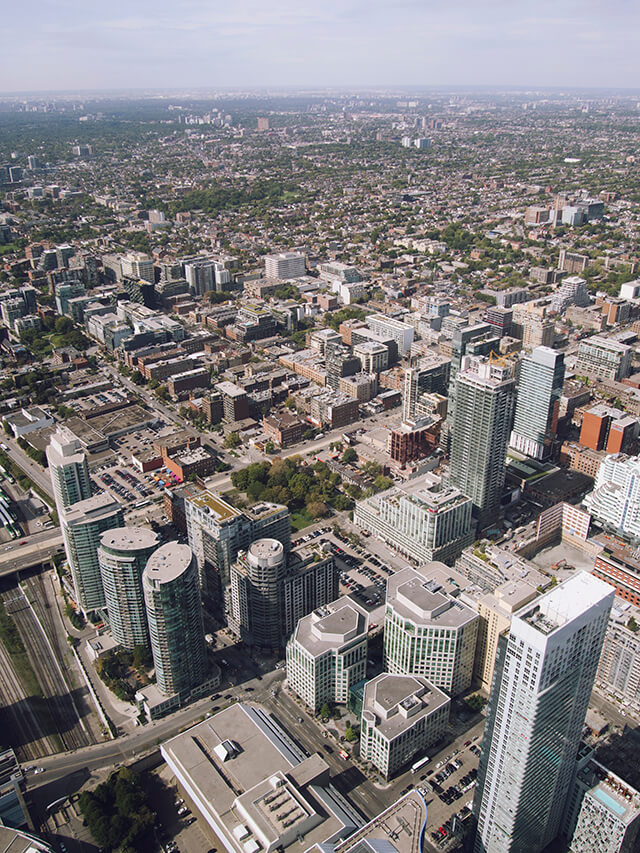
[
  {"x": 39, "y": 770},
  {"x": 467, "y": 743}
]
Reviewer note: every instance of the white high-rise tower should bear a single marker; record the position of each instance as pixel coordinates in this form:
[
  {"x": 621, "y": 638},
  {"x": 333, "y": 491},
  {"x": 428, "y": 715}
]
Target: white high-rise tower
[
  {"x": 69, "y": 469},
  {"x": 542, "y": 682}
]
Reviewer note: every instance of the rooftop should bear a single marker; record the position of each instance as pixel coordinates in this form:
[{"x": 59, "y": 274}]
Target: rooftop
[
  {"x": 129, "y": 538},
  {"x": 398, "y": 701},
  {"x": 332, "y": 626},
  {"x": 168, "y": 562},
  {"x": 566, "y": 602},
  {"x": 256, "y": 784},
  {"x": 424, "y": 602},
  {"x": 214, "y": 506}
]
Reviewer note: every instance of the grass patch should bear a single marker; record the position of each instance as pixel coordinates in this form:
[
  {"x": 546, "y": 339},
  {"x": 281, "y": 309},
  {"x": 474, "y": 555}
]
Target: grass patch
[{"x": 301, "y": 519}]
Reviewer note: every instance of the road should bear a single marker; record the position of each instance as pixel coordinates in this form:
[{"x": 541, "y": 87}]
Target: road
[
  {"x": 37, "y": 549},
  {"x": 35, "y": 472}
]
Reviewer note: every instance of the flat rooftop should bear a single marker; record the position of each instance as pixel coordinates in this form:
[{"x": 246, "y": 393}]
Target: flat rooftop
[
  {"x": 238, "y": 763},
  {"x": 566, "y": 602},
  {"x": 424, "y": 602},
  {"x": 129, "y": 538},
  {"x": 214, "y": 505},
  {"x": 399, "y": 701},
  {"x": 168, "y": 562},
  {"x": 332, "y": 626}
]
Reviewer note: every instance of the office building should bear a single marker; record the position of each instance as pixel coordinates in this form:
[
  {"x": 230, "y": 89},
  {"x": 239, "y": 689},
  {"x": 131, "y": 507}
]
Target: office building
[
  {"x": 402, "y": 716},
  {"x": 609, "y": 429},
  {"x": 427, "y": 632},
  {"x": 271, "y": 591},
  {"x": 543, "y": 679},
  {"x": 217, "y": 531},
  {"x": 603, "y": 358},
  {"x": 285, "y": 265},
  {"x": 68, "y": 468},
  {"x": 615, "y": 499},
  {"x": 540, "y": 382},
  {"x": 389, "y": 327},
  {"x": 422, "y": 519},
  {"x": 122, "y": 556},
  {"x": 327, "y": 653},
  {"x": 82, "y": 525},
  {"x": 255, "y": 787},
  {"x": 235, "y": 403},
  {"x": 485, "y": 392},
  {"x": 374, "y": 357},
  {"x": 174, "y": 614},
  {"x": 603, "y": 813}
]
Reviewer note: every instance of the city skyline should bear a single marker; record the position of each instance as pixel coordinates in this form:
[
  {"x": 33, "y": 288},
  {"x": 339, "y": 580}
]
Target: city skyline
[{"x": 311, "y": 44}]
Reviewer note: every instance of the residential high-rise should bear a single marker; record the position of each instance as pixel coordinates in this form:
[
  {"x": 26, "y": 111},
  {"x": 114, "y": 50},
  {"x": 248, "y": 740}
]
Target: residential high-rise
[
  {"x": 422, "y": 519},
  {"x": 429, "y": 376},
  {"x": 82, "y": 526},
  {"x": 174, "y": 613},
  {"x": 539, "y": 390},
  {"x": 327, "y": 653},
  {"x": 479, "y": 339},
  {"x": 271, "y": 592},
  {"x": 285, "y": 265},
  {"x": 428, "y": 633},
  {"x": 544, "y": 674},
  {"x": 68, "y": 469},
  {"x": 217, "y": 531},
  {"x": 603, "y": 358},
  {"x": 201, "y": 276},
  {"x": 485, "y": 392},
  {"x": 615, "y": 499},
  {"x": 122, "y": 556}
]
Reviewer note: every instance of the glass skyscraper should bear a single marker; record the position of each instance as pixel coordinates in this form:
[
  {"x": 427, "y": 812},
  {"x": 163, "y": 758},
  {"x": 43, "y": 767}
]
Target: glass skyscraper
[{"x": 539, "y": 391}]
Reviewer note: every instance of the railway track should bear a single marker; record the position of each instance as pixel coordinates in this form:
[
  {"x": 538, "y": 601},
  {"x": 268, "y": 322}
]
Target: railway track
[
  {"x": 59, "y": 714},
  {"x": 21, "y": 720}
]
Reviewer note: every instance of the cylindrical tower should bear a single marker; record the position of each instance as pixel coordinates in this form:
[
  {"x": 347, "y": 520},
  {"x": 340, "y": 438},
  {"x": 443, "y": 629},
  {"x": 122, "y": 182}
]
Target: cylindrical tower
[
  {"x": 266, "y": 568},
  {"x": 172, "y": 597},
  {"x": 122, "y": 555}
]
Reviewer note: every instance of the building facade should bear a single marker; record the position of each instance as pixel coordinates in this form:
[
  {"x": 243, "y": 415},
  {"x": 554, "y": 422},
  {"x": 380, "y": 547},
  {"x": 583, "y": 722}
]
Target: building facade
[
  {"x": 540, "y": 384},
  {"x": 543, "y": 679},
  {"x": 327, "y": 653},
  {"x": 402, "y": 716},
  {"x": 122, "y": 556},
  {"x": 485, "y": 392},
  {"x": 424, "y": 519},
  {"x": 428, "y": 633}
]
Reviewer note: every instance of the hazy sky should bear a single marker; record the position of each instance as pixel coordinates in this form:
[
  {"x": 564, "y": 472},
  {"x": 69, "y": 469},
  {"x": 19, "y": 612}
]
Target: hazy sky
[{"x": 88, "y": 44}]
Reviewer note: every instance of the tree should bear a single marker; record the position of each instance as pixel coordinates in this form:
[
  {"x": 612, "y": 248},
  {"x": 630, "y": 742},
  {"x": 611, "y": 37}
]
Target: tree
[
  {"x": 325, "y": 711},
  {"x": 232, "y": 441},
  {"x": 382, "y": 483},
  {"x": 316, "y": 509},
  {"x": 349, "y": 455},
  {"x": 350, "y": 734}
]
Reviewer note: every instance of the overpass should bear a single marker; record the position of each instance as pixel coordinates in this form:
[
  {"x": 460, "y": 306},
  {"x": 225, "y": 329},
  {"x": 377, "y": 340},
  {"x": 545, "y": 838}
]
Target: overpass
[{"x": 29, "y": 553}]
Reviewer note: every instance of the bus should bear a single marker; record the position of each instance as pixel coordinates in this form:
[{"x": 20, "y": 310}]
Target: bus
[{"x": 419, "y": 764}]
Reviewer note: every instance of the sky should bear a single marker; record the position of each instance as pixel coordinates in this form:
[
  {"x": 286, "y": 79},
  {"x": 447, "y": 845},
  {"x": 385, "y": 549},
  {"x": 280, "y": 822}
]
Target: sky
[{"x": 49, "y": 45}]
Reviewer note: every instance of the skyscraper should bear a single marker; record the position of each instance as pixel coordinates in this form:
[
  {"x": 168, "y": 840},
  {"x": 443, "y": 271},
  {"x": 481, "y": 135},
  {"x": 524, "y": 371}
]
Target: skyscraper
[
  {"x": 539, "y": 391},
  {"x": 174, "y": 612},
  {"x": 485, "y": 391},
  {"x": 68, "y": 468},
  {"x": 122, "y": 556},
  {"x": 544, "y": 673},
  {"x": 82, "y": 526}
]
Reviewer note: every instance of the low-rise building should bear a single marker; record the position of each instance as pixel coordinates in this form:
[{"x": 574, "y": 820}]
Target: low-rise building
[
  {"x": 254, "y": 787},
  {"x": 402, "y": 715}
]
